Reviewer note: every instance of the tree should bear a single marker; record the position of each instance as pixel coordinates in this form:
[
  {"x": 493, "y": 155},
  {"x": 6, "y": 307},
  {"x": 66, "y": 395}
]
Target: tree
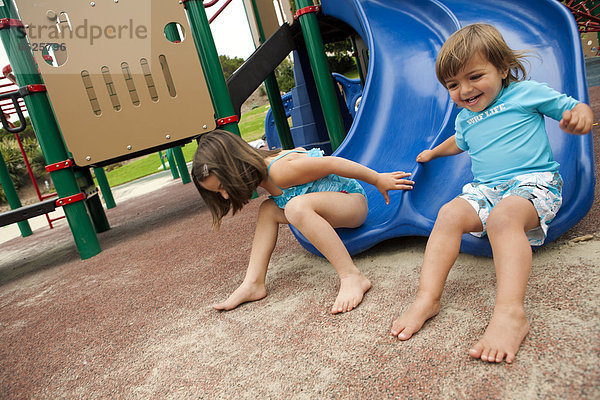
[
  {"x": 339, "y": 56},
  {"x": 285, "y": 76},
  {"x": 230, "y": 65}
]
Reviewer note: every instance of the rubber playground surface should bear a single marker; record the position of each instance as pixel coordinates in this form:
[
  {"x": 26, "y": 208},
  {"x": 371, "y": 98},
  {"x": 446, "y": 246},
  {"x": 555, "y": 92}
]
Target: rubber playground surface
[{"x": 136, "y": 321}]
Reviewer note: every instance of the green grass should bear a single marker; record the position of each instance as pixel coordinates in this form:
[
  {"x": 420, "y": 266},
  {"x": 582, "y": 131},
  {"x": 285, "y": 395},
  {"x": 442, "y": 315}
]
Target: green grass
[
  {"x": 352, "y": 74},
  {"x": 252, "y": 127},
  {"x": 252, "y": 124},
  {"x": 139, "y": 168}
]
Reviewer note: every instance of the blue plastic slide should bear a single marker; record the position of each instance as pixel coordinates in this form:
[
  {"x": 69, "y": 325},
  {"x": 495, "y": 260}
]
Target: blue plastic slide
[{"x": 405, "y": 110}]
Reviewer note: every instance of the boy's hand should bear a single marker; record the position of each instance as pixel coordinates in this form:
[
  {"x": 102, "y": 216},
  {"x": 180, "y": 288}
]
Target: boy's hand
[
  {"x": 393, "y": 181},
  {"x": 577, "y": 121},
  {"x": 425, "y": 156}
]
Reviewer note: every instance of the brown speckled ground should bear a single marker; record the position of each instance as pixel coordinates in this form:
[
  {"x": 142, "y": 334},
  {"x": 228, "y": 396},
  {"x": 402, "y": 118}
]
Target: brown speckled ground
[{"x": 135, "y": 321}]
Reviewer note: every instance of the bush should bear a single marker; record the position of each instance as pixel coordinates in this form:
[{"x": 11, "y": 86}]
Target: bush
[
  {"x": 36, "y": 157},
  {"x": 285, "y": 76},
  {"x": 27, "y": 133},
  {"x": 15, "y": 163},
  {"x": 13, "y": 160}
]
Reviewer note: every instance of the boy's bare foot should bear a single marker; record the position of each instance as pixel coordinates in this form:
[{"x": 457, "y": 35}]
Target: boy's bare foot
[
  {"x": 503, "y": 336},
  {"x": 246, "y": 292},
  {"x": 413, "y": 319},
  {"x": 352, "y": 289}
]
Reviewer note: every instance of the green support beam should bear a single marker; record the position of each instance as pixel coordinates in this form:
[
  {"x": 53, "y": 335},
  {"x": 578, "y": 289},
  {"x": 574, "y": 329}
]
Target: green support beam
[
  {"x": 12, "y": 196},
  {"x": 109, "y": 199},
  {"x": 211, "y": 66},
  {"x": 323, "y": 79},
  {"x": 273, "y": 92},
  {"x": 172, "y": 34},
  {"x": 181, "y": 165},
  {"x": 172, "y": 164}
]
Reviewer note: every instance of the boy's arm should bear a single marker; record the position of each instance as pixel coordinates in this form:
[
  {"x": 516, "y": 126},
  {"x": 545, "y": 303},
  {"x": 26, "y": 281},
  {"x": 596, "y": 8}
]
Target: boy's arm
[
  {"x": 578, "y": 120},
  {"x": 447, "y": 148}
]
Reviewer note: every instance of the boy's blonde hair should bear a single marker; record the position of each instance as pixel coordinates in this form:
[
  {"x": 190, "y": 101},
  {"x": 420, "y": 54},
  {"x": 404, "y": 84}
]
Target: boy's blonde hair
[
  {"x": 482, "y": 39},
  {"x": 239, "y": 167}
]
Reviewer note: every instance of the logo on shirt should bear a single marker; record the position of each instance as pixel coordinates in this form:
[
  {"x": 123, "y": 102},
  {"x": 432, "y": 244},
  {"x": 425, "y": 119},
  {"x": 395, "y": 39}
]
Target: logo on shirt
[{"x": 486, "y": 113}]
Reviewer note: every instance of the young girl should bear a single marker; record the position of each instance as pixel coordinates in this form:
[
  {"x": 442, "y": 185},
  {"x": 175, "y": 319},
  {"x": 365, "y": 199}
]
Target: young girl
[
  {"x": 517, "y": 188},
  {"x": 314, "y": 193}
]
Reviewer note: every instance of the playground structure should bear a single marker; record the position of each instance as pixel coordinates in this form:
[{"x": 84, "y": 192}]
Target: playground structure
[
  {"x": 585, "y": 13},
  {"x": 403, "y": 108}
]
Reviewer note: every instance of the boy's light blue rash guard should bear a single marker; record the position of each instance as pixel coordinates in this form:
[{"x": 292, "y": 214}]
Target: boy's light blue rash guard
[{"x": 509, "y": 137}]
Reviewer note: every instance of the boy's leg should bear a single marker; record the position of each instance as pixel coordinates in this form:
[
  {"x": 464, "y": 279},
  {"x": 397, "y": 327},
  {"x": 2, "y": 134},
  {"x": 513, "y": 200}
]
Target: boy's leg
[
  {"x": 265, "y": 238},
  {"x": 507, "y": 225},
  {"x": 454, "y": 219},
  {"x": 316, "y": 215}
]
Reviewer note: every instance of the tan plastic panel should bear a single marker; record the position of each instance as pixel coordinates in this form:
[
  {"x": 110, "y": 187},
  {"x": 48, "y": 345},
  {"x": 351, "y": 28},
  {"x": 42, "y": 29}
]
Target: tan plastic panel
[
  {"x": 268, "y": 18},
  {"x": 109, "y": 115}
]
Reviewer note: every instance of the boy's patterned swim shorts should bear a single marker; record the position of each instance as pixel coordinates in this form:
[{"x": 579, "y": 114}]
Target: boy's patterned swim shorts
[{"x": 543, "y": 189}]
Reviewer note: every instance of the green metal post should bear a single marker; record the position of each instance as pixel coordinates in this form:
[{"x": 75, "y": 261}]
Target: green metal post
[
  {"x": 277, "y": 108},
  {"x": 162, "y": 161},
  {"x": 172, "y": 164},
  {"x": 181, "y": 165},
  {"x": 172, "y": 34},
  {"x": 109, "y": 200},
  {"x": 209, "y": 59},
  {"x": 323, "y": 79},
  {"x": 47, "y": 131},
  {"x": 11, "y": 195}
]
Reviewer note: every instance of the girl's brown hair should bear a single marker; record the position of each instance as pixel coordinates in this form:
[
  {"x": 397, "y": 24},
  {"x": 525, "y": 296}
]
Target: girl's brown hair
[
  {"x": 482, "y": 39},
  {"x": 239, "y": 167}
]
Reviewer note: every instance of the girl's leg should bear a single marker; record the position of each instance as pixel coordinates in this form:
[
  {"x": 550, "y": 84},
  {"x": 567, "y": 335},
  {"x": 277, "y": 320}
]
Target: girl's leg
[
  {"x": 265, "y": 237},
  {"x": 316, "y": 215},
  {"x": 454, "y": 219},
  {"x": 507, "y": 225}
]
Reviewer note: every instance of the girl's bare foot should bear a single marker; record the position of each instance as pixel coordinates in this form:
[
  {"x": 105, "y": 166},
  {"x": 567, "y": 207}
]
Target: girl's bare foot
[
  {"x": 503, "y": 336},
  {"x": 352, "y": 289},
  {"x": 246, "y": 292},
  {"x": 413, "y": 319}
]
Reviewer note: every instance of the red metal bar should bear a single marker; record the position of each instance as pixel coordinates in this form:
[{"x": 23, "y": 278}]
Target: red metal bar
[
  {"x": 71, "y": 199},
  {"x": 586, "y": 21},
  {"x": 59, "y": 165},
  {"x": 10, "y": 23},
  {"x": 309, "y": 9},
  {"x": 227, "y": 120},
  {"x": 220, "y": 10}
]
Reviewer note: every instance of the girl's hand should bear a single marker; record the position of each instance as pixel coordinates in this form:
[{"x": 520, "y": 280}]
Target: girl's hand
[
  {"x": 393, "y": 181},
  {"x": 578, "y": 121},
  {"x": 425, "y": 156}
]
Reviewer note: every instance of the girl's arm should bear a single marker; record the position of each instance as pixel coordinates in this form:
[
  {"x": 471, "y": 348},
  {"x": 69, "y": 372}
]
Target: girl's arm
[
  {"x": 447, "y": 148},
  {"x": 578, "y": 121},
  {"x": 300, "y": 170}
]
